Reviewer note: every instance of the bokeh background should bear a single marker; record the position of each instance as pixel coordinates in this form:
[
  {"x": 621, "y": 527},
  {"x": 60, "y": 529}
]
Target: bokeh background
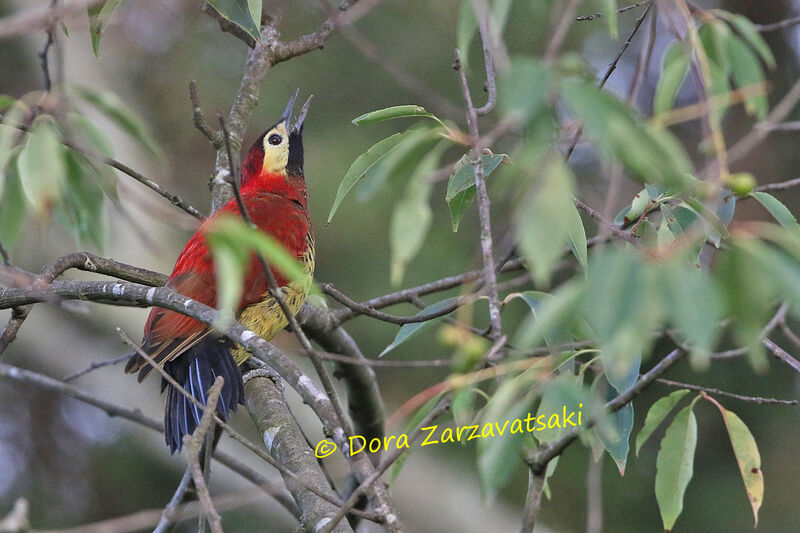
[{"x": 76, "y": 465}]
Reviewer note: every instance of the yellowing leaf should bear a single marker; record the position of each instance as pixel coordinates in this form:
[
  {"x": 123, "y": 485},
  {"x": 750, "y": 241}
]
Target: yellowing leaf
[{"x": 747, "y": 457}]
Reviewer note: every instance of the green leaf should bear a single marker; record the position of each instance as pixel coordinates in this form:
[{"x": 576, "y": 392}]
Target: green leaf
[
  {"x": 776, "y": 208},
  {"x": 523, "y": 90},
  {"x": 390, "y": 113},
  {"x": 610, "y": 13},
  {"x": 412, "y": 215},
  {"x": 652, "y": 154},
  {"x": 622, "y": 307},
  {"x": 239, "y": 13},
  {"x": 551, "y": 318},
  {"x": 98, "y": 18},
  {"x": 123, "y": 116},
  {"x": 543, "y": 220},
  {"x": 466, "y": 29},
  {"x": 745, "y": 27},
  {"x": 747, "y": 457},
  {"x": 363, "y": 164},
  {"x": 694, "y": 308},
  {"x": 399, "y": 164},
  {"x": 673, "y": 75},
  {"x": 6, "y": 102},
  {"x": 9, "y": 134},
  {"x": 577, "y": 237},
  {"x": 463, "y": 406},
  {"x": 536, "y": 300},
  {"x": 41, "y": 166},
  {"x": 12, "y": 207},
  {"x": 81, "y": 209},
  {"x": 498, "y": 456},
  {"x": 255, "y": 8},
  {"x": 675, "y": 465},
  {"x": 737, "y": 268},
  {"x": 408, "y": 331},
  {"x": 618, "y": 443},
  {"x": 657, "y": 413},
  {"x": 747, "y": 70},
  {"x": 461, "y": 187}
]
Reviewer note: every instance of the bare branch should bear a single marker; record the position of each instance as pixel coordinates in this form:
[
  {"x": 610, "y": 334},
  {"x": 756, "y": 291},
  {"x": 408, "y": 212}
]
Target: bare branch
[
  {"x": 560, "y": 33},
  {"x": 212, "y": 135},
  {"x": 171, "y": 510},
  {"x": 94, "y": 366},
  {"x": 533, "y": 501}
]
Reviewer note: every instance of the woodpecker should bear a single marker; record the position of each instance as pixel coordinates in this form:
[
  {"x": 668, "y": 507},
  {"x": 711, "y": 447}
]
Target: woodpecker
[{"x": 273, "y": 191}]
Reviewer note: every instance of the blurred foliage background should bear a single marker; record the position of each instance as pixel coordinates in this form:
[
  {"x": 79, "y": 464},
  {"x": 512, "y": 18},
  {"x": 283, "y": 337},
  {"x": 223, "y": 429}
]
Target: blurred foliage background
[{"x": 76, "y": 465}]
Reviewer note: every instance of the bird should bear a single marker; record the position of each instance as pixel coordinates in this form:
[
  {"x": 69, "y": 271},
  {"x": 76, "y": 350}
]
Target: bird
[{"x": 273, "y": 191}]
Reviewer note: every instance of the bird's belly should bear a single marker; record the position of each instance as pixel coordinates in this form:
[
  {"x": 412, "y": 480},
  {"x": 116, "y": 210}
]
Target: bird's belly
[{"x": 266, "y": 318}]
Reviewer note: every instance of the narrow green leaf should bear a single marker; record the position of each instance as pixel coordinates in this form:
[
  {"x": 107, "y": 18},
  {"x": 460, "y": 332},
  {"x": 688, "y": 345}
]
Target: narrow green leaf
[
  {"x": 390, "y": 113},
  {"x": 10, "y": 135},
  {"x": 123, "y": 116},
  {"x": 412, "y": 215},
  {"x": 498, "y": 456},
  {"x": 577, "y": 237},
  {"x": 652, "y": 154},
  {"x": 523, "y": 89},
  {"x": 618, "y": 443},
  {"x": 12, "y": 207},
  {"x": 81, "y": 209},
  {"x": 41, "y": 166},
  {"x": 745, "y": 27},
  {"x": 610, "y": 14},
  {"x": 694, "y": 307},
  {"x": 408, "y": 331},
  {"x": 675, "y": 465},
  {"x": 746, "y": 70},
  {"x": 461, "y": 187},
  {"x": 362, "y": 164},
  {"x": 673, "y": 75},
  {"x": 776, "y": 208},
  {"x": 98, "y": 18},
  {"x": 466, "y": 29},
  {"x": 747, "y": 457},
  {"x": 657, "y": 413},
  {"x": 238, "y": 12},
  {"x": 543, "y": 219}
]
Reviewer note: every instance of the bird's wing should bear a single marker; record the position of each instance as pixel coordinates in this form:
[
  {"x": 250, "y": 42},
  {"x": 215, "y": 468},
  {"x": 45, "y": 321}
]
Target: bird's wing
[{"x": 167, "y": 333}]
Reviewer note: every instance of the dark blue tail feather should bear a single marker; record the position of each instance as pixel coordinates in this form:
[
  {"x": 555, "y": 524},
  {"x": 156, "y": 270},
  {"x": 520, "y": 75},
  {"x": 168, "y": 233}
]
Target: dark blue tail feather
[{"x": 196, "y": 369}]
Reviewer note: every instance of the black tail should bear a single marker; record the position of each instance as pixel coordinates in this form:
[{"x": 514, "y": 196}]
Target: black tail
[{"x": 196, "y": 369}]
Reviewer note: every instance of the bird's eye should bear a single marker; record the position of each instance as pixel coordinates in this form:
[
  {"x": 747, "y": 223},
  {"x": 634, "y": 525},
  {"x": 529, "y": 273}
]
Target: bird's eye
[{"x": 275, "y": 139}]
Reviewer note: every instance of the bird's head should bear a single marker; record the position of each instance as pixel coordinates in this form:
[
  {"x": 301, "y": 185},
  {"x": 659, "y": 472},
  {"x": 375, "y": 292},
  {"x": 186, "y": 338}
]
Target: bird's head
[{"x": 277, "y": 154}]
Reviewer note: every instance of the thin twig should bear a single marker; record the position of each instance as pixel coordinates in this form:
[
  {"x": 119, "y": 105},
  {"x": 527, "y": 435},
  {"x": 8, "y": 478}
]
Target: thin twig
[
  {"x": 782, "y": 354},
  {"x": 193, "y": 444},
  {"x": 594, "y": 16},
  {"x": 718, "y": 392},
  {"x": 43, "y": 59},
  {"x": 557, "y": 39},
  {"x": 168, "y": 517},
  {"x": 212, "y": 135},
  {"x": 533, "y": 501},
  {"x": 609, "y": 71},
  {"x": 94, "y": 366},
  {"x": 780, "y": 25},
  {"x": 607, "y": 224}
]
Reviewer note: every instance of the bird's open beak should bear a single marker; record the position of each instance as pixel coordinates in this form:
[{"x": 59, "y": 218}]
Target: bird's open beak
[
  {"x": 298, "y": 123},
  {"x": 287, "y": 113}
]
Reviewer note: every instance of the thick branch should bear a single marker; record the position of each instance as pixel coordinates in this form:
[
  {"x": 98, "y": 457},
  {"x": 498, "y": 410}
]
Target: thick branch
[{"x": 283, "y": 439}]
